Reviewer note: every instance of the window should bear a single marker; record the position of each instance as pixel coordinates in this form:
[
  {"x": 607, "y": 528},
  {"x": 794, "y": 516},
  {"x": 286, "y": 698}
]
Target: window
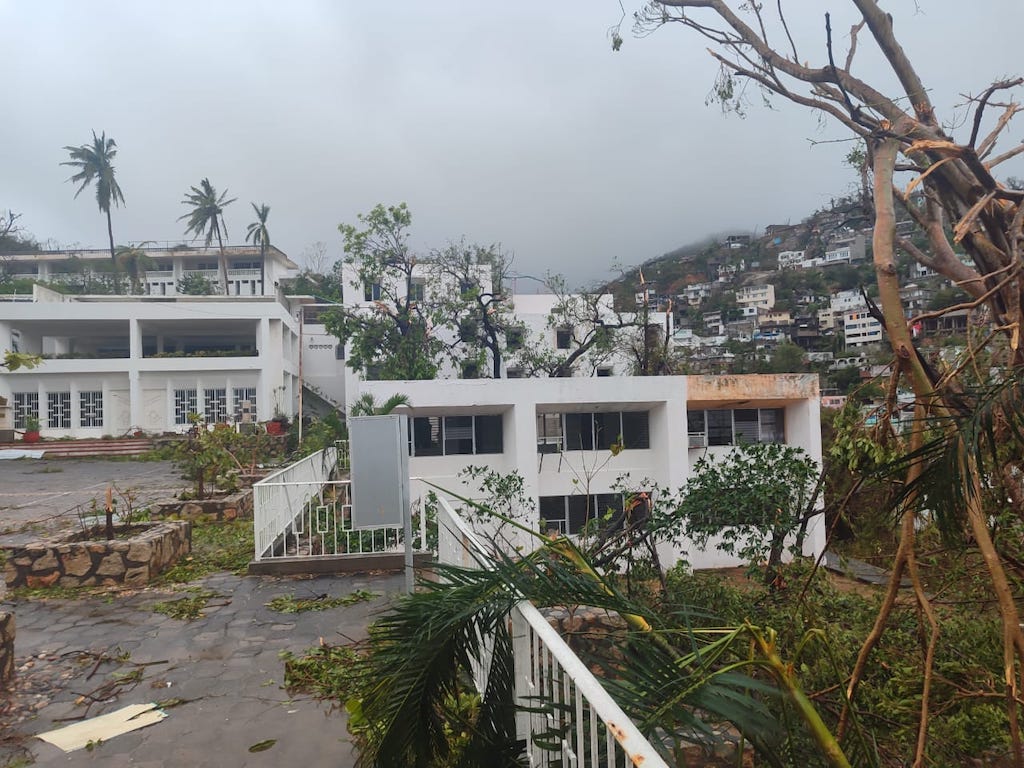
[
  {"x": 563, "y": 338},
  {"x": 592, "y": 431},
  {"x": 58, "y": 410},
  {"x": 245, "y": 404},
  {"x": 514, "y": 338},
  {"x": 514, "y": 373},
  {"x": 26, "y": 406},
  {"x": 604, "y": 372},
  {"x": 90, "y": 409},
  {"x": 186, "y": 401},
  {"x": 215, "y": 405},
  {"x": 457, "y": 435},
  {"x": 570, "y": 514},
  {"x": 734, "y": 427},
  {"x": 417, "y": 289},
  {"x": 371, "y": 292},
  {"x": 339, "y": 351},
  {"x": 471, "y": 370}
]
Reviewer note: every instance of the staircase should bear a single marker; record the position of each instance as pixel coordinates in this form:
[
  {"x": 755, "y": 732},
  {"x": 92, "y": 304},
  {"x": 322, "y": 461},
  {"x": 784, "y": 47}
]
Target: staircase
[{"x": 73, "y": 449}]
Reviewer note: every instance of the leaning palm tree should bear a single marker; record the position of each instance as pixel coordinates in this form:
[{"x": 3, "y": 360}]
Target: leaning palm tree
[
  {"x": 96, "y": 163},
  {"x": 257, "y": 233},
  {"x": 207, "y": 218}
]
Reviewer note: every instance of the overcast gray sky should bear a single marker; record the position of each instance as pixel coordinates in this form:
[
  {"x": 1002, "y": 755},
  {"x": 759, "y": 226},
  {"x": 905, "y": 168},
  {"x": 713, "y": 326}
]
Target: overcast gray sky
[{"x": 512, "y": 123}]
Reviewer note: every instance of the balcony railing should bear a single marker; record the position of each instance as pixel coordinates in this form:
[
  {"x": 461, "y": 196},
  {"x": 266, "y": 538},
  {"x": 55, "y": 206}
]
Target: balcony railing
[{"x": 555, "y": 691}]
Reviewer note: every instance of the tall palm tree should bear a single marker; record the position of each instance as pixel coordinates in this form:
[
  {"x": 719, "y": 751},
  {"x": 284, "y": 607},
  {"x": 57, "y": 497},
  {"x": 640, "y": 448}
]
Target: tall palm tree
[
  {"x": 257, "y": 233},
  {"x": 96, "y": 163},
  {"x": 207, "y": 218}
]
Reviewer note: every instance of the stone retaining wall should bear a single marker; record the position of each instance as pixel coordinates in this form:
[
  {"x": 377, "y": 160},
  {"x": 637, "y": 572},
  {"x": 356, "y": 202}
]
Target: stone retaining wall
[
  {"x": 6, "y": 648},
  {"x": 231, "y": 507},
  {"x": 75, "y": 561}
]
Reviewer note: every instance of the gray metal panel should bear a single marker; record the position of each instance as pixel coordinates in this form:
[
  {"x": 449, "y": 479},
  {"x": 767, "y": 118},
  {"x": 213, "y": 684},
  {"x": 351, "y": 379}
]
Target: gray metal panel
[{"x": 380, "y": 469}]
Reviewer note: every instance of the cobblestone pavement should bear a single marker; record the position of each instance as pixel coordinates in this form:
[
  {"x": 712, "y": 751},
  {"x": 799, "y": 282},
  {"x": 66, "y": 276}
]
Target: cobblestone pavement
[{"x": 224, "y": 667}]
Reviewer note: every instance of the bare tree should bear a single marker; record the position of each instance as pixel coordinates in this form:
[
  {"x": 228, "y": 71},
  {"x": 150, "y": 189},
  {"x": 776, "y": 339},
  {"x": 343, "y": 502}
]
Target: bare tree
[
  {"x": 961, "y": 204},
  {"x": 315, "y": 258}
]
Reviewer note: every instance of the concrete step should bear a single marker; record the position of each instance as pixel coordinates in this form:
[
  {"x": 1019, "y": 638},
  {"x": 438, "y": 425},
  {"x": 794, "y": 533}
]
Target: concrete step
[{"x": 69, "y": 449}]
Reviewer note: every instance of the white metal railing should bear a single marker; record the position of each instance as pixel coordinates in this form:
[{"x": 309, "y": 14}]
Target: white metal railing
[
  {"x": 558, "y": 698},
  {"x": 305, "y": 510}
]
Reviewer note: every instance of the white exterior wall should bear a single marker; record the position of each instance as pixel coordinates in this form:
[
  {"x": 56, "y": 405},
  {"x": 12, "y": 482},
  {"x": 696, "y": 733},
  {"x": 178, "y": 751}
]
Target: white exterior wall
[
  {"x": 667, "y": 462},
  {"x": 138, "y": 390}
]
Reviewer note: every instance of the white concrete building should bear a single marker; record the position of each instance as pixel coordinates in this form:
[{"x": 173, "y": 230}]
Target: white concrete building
[
  {"x": 791, "y": 259},
  {"x": 757, "y": 296},
  {"x": 860, "y": 327},
  {"x": 116, "y": 364},
  {"x": 164, "y": 266},
  {"x": 558, "y": 434}
]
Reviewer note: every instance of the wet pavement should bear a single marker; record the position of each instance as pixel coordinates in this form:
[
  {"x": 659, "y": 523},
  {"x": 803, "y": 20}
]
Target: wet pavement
[
  {"x": 101, "y": 653},
  {"x": 46, "y": 493}
]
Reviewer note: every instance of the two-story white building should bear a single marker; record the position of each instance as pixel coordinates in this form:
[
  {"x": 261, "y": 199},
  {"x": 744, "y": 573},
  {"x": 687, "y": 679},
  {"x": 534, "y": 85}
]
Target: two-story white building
[{"x": 579, "y": 444}]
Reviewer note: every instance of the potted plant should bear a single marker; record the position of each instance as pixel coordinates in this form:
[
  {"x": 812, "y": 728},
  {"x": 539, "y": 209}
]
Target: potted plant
[
  {"x": 31, "y": 434},
  {"x": 277, "y": 425}
]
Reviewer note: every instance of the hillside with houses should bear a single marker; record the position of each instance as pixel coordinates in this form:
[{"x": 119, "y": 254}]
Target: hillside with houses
[{"x": 794, "y": 297}]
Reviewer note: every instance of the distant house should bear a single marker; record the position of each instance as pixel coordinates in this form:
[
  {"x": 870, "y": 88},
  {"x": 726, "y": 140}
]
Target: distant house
[{"x": 760, "y": 296}]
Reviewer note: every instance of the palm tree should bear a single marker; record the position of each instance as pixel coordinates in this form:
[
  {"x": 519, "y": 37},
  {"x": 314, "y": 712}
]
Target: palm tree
[
  {"x": 207, "y": 218},
  {"x": 366, "y": 405},
  {"x": 96, "y": 163},
  {"x": 257, "y": 233},
  {"x": 133, "y": 259}
]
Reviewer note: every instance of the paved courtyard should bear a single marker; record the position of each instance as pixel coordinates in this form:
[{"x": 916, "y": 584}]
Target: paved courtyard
[
  {"x": 220, "y": 675},
  {"x": 46, "y": 493},
  {"x": 224, "y": 668}
]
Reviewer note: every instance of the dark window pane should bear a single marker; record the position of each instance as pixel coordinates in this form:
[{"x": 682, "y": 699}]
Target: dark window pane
[
  {"x": 609, "y": 511},
  {"x": 745, "y": 420},
  {"x": 552, "y": 513},
  {"x": 773, "y": 425},
  {"x": 579, "y": 432},
  {"x": 458, "y": 435},
  {"x": 563, "y": 338},
  {"x": 489, "y": 435},
  {"x": 696, "y": 429},
  {"x": 549, "y": 432},
  {"x": 719, "y": 427},
  {"x": 581, "y": 510},
  {"x": 514, "y": 338},
  {"x": 426, "y": 435},
  {"x": 607, "y": 429},
  {"x": 635, "y": 429}
]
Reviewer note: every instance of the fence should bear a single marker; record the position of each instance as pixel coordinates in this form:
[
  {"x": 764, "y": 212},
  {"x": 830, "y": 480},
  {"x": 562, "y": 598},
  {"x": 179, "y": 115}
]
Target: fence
[
  {"x": 564, "y": 712},
  {"x": 305, "y": 510}
]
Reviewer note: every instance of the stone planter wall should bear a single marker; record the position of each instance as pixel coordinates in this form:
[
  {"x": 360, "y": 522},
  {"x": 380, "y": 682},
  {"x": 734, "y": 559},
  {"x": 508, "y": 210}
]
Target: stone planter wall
[
  {"x": 6, "y": 648},
  {"x": 75, "y": 561},
  {"x": 236, "y": 505}
]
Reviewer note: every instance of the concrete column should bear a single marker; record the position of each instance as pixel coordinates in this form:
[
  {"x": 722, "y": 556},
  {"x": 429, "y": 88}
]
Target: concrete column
[
  {"x": 265, "y": 385},
  {"x": 135, "y": 416},
  {"x": 134, "y": 340}
]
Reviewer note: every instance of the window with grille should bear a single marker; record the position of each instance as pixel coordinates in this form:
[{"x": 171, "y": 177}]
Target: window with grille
[
  {"x": 26, "y": 406},
  {"x": 457, "y": 435},
  {"x": 215, "y": 405},
  {"x": 245, "y": 404},
  {"x": 739, "y": 426},
  {"x": 372, "y": 291},
  {"x": 58, "y": 410},
  {"x": 563, "y": 338},
  {"x": 417, "y": 289},
  {"x": 186, "y": 401},
  {"x": 90, "y": 409}
]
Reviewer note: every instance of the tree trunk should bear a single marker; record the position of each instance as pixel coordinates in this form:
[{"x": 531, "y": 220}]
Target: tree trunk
[
  {"x": 223, "y": 264},
  {"x": 110, "y": 236}
]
